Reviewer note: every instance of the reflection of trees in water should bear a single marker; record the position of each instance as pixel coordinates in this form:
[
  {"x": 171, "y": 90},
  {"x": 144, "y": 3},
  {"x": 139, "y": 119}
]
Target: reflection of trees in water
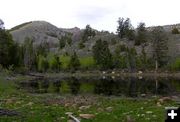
[
  {"x": 44, "y": 85},
  {"x": 105, "y": 86},
  {"x": 164, "y": 86},
  {"x": 56, "y": 86},
  {"x": 129, "y": 86},
  {"x": 110, "y": 86},
  {"x": 132, "y": 86},
  {"x": 74, "y": 85}
]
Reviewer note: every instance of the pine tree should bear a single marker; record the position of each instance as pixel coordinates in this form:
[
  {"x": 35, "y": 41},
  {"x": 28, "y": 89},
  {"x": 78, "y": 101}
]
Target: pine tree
[
  {"x": 29, "y": 55},
  {"x": 102, "y": 55},
  {"x": 74, "y": 63},
  {"x": 125, "y": 29},
  {"x": 160, "y": 48},
  {"x": 8, "y": 49},
  {"x": 141, "y": 34}
]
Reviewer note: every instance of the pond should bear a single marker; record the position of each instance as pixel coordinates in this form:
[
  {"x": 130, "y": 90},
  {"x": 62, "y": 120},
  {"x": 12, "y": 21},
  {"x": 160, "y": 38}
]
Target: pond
[{"x": 107, "y": 86}]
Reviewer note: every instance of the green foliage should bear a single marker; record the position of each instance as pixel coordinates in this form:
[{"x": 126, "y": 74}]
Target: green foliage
[
  {"x": 16, "y": 57},
  {"x": 62, "y": 42},
  {"x": 88, "y": 33},
  {"x": 113, "y": 41},
  {"x": 175, "y": 65},
  {"x": 29, "y": 54},
  {"x": 120, "y": 48},
  {"x": 64, "y": 61},
  {"x": 141, "y": 34},
  {"x": 120, "y": 61},
  {"x": 125, "y": 29},
  {"x": 81, "y": 45},
  {"x": 144, "y": 58},
  {"x": 54, "y": 62},
  {"x": 8, "y": 49},
  {"x": 43, "y": 64},
  {"x": 43, "y": 49},
  {"x": 131, "y": 54},
  {"x": 160, "y": 47},
  {"x": 74, "y": 63},
  {"x": 69, "y": 38},
  {"x": 102, "y": 55},
  {"x": 175, "y": 31},
  {"x": 87, "y": 62}
]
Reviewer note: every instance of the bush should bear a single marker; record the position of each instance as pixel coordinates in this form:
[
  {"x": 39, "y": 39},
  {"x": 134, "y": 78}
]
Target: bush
[
  {"x": 74, "y": 62},
  {"x": 175, "y": 66},
  {"x": 21, "y": 70},
  {"x": 113, "y": 41},
  {"x": 42, "y": 64},
  {"x": 175, "y": 31},
  {"x": 64, "y": 61},
  {"x": 81, "y": 45},
  {"x": 54, "y": 63}
]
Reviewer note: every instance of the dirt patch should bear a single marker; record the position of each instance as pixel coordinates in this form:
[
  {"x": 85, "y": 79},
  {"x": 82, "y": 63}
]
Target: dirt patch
[{"x": 73, "y": 101}]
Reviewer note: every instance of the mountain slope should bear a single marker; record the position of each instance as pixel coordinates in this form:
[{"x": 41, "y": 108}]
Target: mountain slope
[{"x": 42, "y": 31}]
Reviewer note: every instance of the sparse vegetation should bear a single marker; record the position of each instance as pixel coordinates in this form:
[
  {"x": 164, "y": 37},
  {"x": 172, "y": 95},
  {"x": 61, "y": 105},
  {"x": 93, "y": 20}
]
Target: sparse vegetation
[
  {"x": 20, "y": 26},
  {"x": 175, "y": 31}
]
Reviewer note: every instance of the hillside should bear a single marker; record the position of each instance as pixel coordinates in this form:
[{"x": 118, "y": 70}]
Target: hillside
[{"x": 42, "y": 31}]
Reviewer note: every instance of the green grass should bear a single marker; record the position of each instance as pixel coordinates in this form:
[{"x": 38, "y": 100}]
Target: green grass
[
  {"x": 87, "y": 62},
  {"x": 50, "y": 107},
  {"x": 64, "y": 61}
]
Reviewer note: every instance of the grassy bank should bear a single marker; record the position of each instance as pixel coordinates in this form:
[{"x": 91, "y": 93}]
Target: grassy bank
[{"x": 53, "y": 107}]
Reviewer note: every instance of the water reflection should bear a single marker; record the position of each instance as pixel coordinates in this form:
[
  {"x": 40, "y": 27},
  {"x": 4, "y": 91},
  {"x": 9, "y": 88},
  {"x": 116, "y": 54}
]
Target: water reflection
[
  {"x": 127, "y": 86},
  {"x": 74, "y": 85}
]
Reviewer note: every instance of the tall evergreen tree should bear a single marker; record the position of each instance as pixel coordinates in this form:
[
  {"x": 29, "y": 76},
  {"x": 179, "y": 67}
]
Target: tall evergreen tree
[
  {"x": 8, "y": 49},
  {"x": 141, "y": 34},
  {"x": 125, "y": 29},
  {"x": 29, "y": 55},
  {"x": 102, "y": 55},
  {"x": 88, "y": 33},
  {"x": 74, "y": 62},
  {"x": 160, "y": 48},
  {"x": 62, "y": 42}
]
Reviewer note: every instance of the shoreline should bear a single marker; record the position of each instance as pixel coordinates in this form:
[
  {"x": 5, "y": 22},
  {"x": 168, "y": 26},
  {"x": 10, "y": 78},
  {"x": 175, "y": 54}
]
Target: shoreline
[{"x": 107, "y": 74}]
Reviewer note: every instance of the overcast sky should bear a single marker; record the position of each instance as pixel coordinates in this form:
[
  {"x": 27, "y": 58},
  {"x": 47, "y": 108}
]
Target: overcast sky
[{"x": 100, "y": 14}]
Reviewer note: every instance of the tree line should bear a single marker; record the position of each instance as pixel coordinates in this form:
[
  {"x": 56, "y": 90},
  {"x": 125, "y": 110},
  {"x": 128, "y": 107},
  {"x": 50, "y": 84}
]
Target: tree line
[{"x": 39, "y": 58}]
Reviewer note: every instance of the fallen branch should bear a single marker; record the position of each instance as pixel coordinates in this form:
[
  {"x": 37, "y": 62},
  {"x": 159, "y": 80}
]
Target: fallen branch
[{"x": 74, "y": 118}]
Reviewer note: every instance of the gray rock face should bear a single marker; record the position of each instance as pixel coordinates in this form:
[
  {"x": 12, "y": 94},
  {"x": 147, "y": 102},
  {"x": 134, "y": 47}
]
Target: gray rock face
[{"x": 40, "y": 31}]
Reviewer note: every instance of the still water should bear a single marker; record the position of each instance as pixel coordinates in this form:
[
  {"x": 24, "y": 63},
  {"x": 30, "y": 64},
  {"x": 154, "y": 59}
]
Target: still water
[{"x": 127, "y": 86}]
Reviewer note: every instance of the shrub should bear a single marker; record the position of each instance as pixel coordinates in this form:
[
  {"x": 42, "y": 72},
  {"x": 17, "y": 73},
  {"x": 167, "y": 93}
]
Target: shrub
[
  {"x": 64, "y": 61},
  {"x": 113, "y": 41},
  {"x": 175, "y": 66},
  {"x": 54, "y": 63},
  {"x": 42, "y": 64},
  {"x": 81, "y": 45},
  {"x": 74, "y": 62},
  {"x": 175, "y": 31}
]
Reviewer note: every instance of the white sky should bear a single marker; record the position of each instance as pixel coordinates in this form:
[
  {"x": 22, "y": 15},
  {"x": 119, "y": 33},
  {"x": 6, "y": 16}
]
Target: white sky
[{"x": 100, "y": 14}]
